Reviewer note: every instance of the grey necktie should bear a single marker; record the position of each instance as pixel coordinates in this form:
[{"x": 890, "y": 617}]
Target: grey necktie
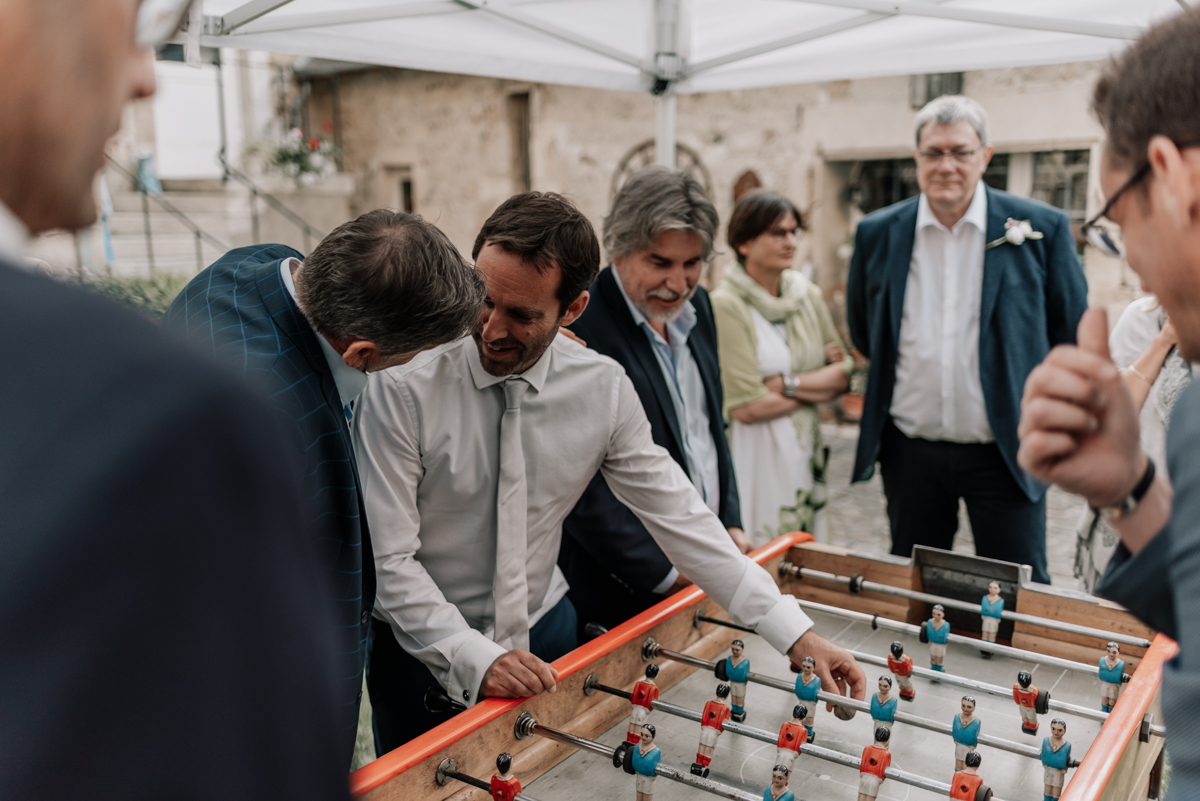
[{"x": 512, "y": 596}]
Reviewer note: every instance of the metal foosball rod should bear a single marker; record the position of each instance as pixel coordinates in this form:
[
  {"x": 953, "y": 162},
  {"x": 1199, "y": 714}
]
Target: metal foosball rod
[
  {"x": 592, "y": 685},
  {"x": 857, "y": 583},
  {"x": 448, "y": 770},
  {"x": 653, "y": 650},
  {"x": 527, "y": 725},
  {"x": 878, "y": 622},
  {"x": 983, "y": 687},
  {"x": 949, "y": 678}
]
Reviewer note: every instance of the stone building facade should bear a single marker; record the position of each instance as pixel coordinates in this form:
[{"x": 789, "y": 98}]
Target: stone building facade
[{"x": 452, "y": 147}]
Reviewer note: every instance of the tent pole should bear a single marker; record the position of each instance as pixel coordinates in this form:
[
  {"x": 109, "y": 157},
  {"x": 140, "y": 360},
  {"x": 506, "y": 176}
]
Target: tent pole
[
  {"x": 664, "y": 129},
  {"x": 667, "y": 69}
]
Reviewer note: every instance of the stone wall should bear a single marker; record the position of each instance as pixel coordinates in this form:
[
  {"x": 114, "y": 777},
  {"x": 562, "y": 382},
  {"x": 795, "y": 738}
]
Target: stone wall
[{"x": 452, "y": 136}]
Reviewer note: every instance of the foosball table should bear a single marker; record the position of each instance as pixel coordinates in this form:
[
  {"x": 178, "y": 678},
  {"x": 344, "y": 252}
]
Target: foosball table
[{"x": 1044, "y": 693}]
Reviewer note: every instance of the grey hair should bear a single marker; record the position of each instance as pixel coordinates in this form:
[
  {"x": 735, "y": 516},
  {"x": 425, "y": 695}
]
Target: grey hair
[
  {"x": 949, "y": 109},
  {"x": 390, "y": 278},
  {"x": 655, "y": 200}
]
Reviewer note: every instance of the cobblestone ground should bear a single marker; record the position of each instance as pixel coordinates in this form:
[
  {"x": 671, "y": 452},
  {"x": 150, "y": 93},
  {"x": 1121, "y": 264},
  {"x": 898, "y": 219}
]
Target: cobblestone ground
[{"x": 858, "y": 513}]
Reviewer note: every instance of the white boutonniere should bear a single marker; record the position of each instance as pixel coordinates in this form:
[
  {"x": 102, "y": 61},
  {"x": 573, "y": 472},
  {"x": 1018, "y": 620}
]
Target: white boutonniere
[{"x": 1015, "y": 233}]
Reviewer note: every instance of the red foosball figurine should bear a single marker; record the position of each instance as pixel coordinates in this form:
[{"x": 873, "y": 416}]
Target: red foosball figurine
[
  {"x": 792, "y": 734},
  {"x": 712, "y": 724},
  {"x": 902, "y": 666},
  {"x": 1026, "y": 696},
  {"x": 876, "y": 759},
  {"x": 505, "y": 786},
  {"x": 966, "y": 785},
  {"x": 645, "y": 693}
]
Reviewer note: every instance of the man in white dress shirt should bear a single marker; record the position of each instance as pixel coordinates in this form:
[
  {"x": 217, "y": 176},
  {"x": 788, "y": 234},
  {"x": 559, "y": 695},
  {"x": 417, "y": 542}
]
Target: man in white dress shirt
[
  {"x": 473, "y": 455},
  {"x": 954, "y": 310}
]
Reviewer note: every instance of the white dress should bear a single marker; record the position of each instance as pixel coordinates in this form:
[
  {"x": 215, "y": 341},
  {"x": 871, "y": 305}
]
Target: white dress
[{"x": 770, "y": 459}]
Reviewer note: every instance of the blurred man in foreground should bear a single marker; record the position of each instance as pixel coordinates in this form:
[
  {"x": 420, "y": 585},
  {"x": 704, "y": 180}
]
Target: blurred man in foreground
[
  {"x": 162, "y": 634},
  {"x": 1079, "y": 426}
]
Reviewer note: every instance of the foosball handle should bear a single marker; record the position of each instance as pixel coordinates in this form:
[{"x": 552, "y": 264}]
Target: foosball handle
[
  {"x": 923, "y": 635},
  {"x": 593, "y": 630},
  {"x": 983, "y": 793},
  {"x": 1042, "y": 704},
  {"x": 439, "y": 701},
  {"x": 719, "y": 670}
]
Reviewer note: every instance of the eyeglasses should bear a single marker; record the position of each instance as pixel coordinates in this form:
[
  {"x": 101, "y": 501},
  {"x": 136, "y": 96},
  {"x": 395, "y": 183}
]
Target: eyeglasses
[
  {"x": 158, "y": 21},
  {"x": 1097, "y": 235},
  {"x": 781, "y": 233},
  {"x": 935, "y": 157}
]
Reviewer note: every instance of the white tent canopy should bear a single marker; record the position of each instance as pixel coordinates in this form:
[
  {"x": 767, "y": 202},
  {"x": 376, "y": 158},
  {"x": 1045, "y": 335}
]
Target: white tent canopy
[{"x": 670, "y": 47}]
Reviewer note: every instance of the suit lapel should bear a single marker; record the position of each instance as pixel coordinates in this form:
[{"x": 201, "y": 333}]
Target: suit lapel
[
  {"x": 901, "y": 236},
  {"x": 994, "y": 260},
  {"x": 635, "y": 338}
]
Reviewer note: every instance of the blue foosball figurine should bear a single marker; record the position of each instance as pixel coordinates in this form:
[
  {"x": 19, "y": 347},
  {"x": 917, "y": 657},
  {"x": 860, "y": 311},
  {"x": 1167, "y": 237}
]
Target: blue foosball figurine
[
  {"x": 737, "y": 673},
  {"x": 1056, "y": 757},
  {"x": 645, "y": 759},
  {"x": 965, "y": 731},
  {"x": 1112, "y": 673},
  {"x": 936, "y": 632},
  {"x": 808, "y": 684},
  {"x": 778, "y": 791}
]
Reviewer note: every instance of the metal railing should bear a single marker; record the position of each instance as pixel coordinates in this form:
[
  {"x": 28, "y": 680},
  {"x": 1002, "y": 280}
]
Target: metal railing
[
  {"x": 199, "y": 235},
  {"x": 256, "y": 192}
]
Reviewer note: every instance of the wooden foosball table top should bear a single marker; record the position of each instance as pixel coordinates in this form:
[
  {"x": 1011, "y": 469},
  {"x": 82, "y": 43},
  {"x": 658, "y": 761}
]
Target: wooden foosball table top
[{"x": 1120, "y": 762}]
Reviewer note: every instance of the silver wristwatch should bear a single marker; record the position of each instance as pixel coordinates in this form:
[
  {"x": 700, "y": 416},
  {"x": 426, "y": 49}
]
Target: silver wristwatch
[{"x": 791, "y": 383}]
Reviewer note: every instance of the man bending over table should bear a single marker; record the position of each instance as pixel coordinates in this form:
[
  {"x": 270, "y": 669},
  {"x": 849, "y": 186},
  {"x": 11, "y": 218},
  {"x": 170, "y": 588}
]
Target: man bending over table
[{"x": 471, "y": 457}]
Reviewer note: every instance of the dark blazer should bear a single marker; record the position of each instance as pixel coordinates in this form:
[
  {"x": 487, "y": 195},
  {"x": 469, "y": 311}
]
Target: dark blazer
[
  {"x": 239, "y": 311},
  {"x": 605, "y": 548},
  {"x": 1161, "y": 585},
  {"x": 1033, "y": 297},
  {"x": 162, "y": 635}
]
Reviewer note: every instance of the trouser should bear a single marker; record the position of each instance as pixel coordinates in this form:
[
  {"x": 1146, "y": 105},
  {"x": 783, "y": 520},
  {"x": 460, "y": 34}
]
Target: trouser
[
  {"x": 397, "y": 681},
  {"x": 923, "y": 481}
]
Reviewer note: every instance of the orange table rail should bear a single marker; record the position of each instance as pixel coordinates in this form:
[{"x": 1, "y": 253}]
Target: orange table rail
[{"x": 389, "y": 766}]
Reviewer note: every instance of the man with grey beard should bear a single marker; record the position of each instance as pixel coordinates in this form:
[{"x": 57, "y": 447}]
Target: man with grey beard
[{"x": 649, "y": 313}]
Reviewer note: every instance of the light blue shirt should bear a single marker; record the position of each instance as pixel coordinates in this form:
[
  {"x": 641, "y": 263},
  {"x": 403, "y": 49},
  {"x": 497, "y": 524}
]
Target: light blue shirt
[
  {"x": 965, "y": 735},
  {"x": 989, "y": 609},
  {"x": 646, "y": 764},
  {"x": 682, "y": 376},
  {"x": 349, "y": 381}
]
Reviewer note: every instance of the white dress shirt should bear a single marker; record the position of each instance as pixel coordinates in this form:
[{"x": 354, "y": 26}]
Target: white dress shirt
[
  {"x": 14, "y": 236},
  {"x": 348, "y": 380},
  {"x": 427, "y": 440},
  {"x": 938, "y": 393}
]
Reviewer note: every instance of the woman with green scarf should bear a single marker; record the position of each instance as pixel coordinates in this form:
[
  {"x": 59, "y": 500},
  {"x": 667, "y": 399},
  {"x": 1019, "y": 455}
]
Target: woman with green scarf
[{"x": 780, "y": 355}]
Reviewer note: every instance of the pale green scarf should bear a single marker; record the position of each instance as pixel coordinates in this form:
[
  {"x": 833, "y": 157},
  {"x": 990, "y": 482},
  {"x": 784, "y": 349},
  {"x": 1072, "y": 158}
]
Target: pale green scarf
[{"x": 793, "y": 308}]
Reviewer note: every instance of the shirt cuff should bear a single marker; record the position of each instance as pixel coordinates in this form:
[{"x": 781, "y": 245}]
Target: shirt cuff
[
  {"x": 470, "y": 662},
  {"x": 784, "y": 624},
  {"x": 664, "y": 585}
]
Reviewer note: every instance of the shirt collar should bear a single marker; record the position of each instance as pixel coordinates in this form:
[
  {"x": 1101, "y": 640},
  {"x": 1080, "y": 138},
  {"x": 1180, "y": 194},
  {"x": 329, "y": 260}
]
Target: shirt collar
[
  {"x": 14, "y": 236},
  {"x": 535, "y": 376},
  {"x": 976, "y": 213},
  {"x": 349, "y": 381},
  {"x": 682, "y": 325}
]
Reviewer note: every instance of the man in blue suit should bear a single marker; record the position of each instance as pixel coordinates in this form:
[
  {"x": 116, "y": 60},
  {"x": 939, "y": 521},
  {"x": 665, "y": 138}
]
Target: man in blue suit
[
  {"x": 372, "y": 294},
  {"x": 955, "y": 296},
  {"x": 649, "y": 313}
]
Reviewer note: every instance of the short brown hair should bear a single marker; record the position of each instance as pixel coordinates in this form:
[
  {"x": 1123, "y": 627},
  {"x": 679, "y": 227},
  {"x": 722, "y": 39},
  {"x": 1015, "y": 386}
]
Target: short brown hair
[
  {"x": 545, "y": 229},
  {"x": 390, "y": 278},
  {"x": 1152, "y": 89},
  {"x": 754, "y": 215}
]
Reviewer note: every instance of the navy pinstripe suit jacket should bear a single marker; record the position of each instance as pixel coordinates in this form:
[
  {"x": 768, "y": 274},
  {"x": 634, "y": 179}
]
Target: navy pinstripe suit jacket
[{"x": 240, "y": 312}]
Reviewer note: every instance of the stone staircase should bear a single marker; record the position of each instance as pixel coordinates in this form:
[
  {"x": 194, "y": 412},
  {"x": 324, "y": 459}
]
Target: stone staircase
[{"x": 221, "y": 211}]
